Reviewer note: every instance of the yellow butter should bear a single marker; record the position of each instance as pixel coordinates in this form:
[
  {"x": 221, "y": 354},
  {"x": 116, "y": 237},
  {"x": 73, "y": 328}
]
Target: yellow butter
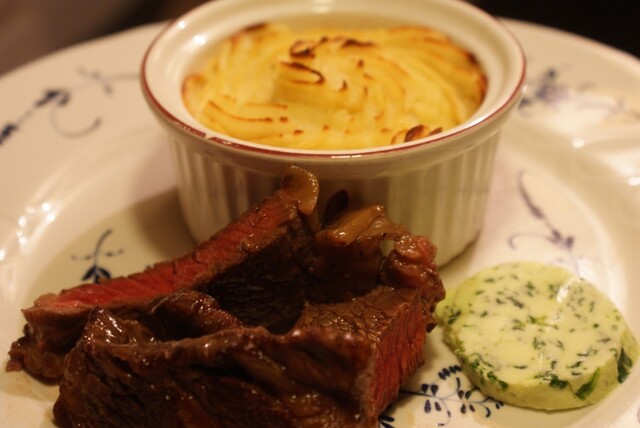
[{"x": 537, "y": 336}]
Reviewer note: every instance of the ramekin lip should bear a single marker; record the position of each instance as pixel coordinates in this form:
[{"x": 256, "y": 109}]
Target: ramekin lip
[{"x": 221, "y": 140}]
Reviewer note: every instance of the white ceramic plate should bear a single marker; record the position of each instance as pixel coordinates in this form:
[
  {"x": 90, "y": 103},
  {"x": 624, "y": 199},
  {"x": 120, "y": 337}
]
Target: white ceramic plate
[{"x": 86, "y": 190}]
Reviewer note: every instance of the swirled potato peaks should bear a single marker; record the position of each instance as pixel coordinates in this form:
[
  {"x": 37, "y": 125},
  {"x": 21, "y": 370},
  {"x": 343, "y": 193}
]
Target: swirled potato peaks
[{"x": 335, "y": 89}]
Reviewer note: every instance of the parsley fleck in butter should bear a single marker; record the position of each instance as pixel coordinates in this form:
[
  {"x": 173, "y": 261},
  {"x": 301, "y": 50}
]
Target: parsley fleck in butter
[{"x": 537, "y": 336}]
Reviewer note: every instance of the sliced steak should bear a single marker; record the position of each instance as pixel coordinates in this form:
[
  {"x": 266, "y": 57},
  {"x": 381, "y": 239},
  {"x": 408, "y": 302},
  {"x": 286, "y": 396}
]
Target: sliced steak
[
  {"x": 186, "y": 313},
  {"x": 340, "y": 367},
  {"x": 412, "y": 264},
  {"x": 255, "y": 267},
  {"x": 393, "y": 321},
  {"x": 341, "y": 364},
  {"x": 348, "y": 254},
  {"x": 273, "y": 322}
]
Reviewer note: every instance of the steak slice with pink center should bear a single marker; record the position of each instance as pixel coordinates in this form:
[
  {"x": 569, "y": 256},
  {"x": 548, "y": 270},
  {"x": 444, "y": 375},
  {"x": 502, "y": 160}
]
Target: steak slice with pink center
[{"x": 254, "y": 266}]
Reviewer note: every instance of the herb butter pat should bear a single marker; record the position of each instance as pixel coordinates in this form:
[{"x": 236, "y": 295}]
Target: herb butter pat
[{"x": 537, "y": 336}]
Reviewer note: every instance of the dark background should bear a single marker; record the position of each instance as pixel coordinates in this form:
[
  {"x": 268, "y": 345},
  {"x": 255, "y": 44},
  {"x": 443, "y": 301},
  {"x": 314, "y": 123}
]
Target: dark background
[{"x": 613, "y": 22}]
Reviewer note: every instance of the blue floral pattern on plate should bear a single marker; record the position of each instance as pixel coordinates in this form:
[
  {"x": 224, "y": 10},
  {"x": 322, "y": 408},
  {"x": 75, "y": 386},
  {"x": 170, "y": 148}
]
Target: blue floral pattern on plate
[
  {"x": 58, "y": 98},
  {"x": 97, "y": 271}
]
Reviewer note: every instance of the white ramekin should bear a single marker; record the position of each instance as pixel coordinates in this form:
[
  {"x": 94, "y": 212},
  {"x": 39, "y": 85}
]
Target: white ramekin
[{"x": 436, "y": 186}]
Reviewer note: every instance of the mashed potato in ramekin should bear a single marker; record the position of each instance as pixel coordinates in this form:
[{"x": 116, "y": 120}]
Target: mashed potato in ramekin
[{"x": 335, "y": 89}]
